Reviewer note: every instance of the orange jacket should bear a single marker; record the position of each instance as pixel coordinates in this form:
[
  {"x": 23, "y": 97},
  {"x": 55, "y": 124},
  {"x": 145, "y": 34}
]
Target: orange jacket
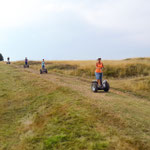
[{"x": 99, "y": 67}]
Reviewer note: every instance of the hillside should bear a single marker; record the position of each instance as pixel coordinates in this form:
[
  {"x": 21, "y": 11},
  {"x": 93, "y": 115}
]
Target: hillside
[
  {"x": 128, "y": 75},
  {"x": 58, "y": 111}
]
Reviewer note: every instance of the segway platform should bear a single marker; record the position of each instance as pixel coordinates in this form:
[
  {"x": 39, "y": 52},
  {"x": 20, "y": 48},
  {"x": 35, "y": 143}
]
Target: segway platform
[
  {"x": 8, "y": 62},
  {"x": 26, "y": 66},
  {"x": 43, "y": 70},
  {"x": 105, "y": 86}
]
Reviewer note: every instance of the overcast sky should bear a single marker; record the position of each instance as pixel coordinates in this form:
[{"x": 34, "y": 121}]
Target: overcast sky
[{"x": 74, "y": 29}]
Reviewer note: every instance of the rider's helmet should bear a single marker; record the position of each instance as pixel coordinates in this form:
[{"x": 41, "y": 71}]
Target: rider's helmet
[{"x": 99, "y": 59}]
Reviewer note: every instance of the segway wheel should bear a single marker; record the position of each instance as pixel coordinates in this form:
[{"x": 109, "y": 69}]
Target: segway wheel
[
  {"x": 94, "y": 87},
  {"x": 41, "y": 71},
  {"x": 46, "y": 71},
  {"x": 106, "y": 89}
]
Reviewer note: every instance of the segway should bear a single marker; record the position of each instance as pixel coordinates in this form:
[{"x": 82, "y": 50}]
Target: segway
[
  {"x": 105, "y": 86},
  {"x": 26, "y": 66},
  {"x": 43, "y": 70},
  {"x": 8, "y": 62}
]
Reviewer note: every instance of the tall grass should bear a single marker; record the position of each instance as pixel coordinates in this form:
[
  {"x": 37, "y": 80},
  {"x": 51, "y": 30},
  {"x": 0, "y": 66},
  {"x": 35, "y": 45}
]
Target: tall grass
[
  {"x": 127, "y": 70},
  {"x": 138, "y": 85},
  {"x": 121, "y": 69},
  {"x": 115, "y": 71}
]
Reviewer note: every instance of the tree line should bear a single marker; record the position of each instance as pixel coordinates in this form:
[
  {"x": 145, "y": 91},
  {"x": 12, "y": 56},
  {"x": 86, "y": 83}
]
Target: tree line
[{"x": 1, "y": 57}]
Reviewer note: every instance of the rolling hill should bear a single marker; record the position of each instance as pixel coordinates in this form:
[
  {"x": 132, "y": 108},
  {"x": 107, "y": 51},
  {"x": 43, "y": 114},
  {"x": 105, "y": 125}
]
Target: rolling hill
[{"x": 58, "y": 110}]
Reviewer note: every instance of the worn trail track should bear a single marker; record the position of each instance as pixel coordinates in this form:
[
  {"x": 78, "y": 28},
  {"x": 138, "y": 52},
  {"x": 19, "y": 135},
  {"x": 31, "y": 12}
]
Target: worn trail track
[
  {"x": 76, "y": 83},
  {"x": 112, "y": 99}
]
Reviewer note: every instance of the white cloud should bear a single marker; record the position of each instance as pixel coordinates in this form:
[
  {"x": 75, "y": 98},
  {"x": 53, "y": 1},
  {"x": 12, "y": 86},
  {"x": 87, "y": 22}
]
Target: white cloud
[
  {"x": 16, "y": 13},
  {"x": 118, "y": 16},
  {"x": 129, "y": 17},
  {"x": 126, "y": 16},
  {"x": 113, "y": 15}
]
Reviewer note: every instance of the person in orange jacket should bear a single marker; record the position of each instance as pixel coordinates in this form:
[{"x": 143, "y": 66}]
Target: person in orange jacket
[{"x": 99, "y": 72}]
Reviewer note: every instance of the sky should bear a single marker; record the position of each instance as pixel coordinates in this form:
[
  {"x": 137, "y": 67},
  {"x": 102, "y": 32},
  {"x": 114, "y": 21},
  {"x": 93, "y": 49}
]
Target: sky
[{"x": 74, "y": 29}]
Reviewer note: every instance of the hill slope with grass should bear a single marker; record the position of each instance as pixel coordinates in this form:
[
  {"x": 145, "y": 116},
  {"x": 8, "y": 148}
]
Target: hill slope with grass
[
  {"x": 128, "y": 75},
  {"x": 58, "y": 111}
]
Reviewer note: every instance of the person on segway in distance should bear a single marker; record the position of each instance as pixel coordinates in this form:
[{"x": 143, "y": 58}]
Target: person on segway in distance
[
  {"x": 43, "y": 64},
  {"x": 98, "y": 72},
  {"x": 8, "y": 59},
  {"x": 26, "y": 61},
  {"x": 43, "y": 69}
]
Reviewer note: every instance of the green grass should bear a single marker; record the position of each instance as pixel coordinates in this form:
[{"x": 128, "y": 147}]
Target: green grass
[{"x": 36, "y": 114}]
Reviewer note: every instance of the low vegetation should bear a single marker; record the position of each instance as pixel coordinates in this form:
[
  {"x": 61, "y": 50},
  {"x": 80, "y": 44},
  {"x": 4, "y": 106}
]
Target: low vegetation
[
  {"x": 41, "y": 116},
  {"x": 130, "y": 75},
  {"x": 139, "y": 86}
]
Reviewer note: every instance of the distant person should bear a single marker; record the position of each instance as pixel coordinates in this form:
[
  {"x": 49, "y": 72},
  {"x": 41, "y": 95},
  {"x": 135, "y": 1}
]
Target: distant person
[
  {"x": 26, "y": 61},
  {"x": 98, "y": 72},
  {"x": 43, "y": 64},
  {"x": 8, "y": 59}
]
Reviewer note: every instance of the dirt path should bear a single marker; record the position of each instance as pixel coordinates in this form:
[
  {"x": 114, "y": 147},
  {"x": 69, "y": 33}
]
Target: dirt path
[{"x": 77, "y": 84}]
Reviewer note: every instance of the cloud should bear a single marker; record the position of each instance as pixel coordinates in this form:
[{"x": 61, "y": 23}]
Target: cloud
[
  {"x": 120, "y": 15},
  {"x": 131, "y": 18},
  {"x": 17, "y": 13},
  {"x": 71, "y": 23},
  {"x": 116, "y": 15}
]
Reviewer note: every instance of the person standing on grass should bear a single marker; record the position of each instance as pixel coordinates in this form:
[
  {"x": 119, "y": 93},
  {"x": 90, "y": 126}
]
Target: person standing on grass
[
  {"x": 26, "y": 61},
  {"x": 98, "y": 72},
  {"x": 43, "y": 64}
]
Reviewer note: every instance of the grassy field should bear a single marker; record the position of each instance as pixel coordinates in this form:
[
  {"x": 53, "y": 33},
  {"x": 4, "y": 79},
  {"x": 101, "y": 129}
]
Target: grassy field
[
  {"x": 129, "y": 75},
  {"x": 59, "y": 112},
  {"x": 36, "y": 114}
]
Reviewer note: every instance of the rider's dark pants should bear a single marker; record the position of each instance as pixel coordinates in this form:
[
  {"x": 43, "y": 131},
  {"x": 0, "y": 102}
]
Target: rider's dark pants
[{"x": 43, "y": 66}]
